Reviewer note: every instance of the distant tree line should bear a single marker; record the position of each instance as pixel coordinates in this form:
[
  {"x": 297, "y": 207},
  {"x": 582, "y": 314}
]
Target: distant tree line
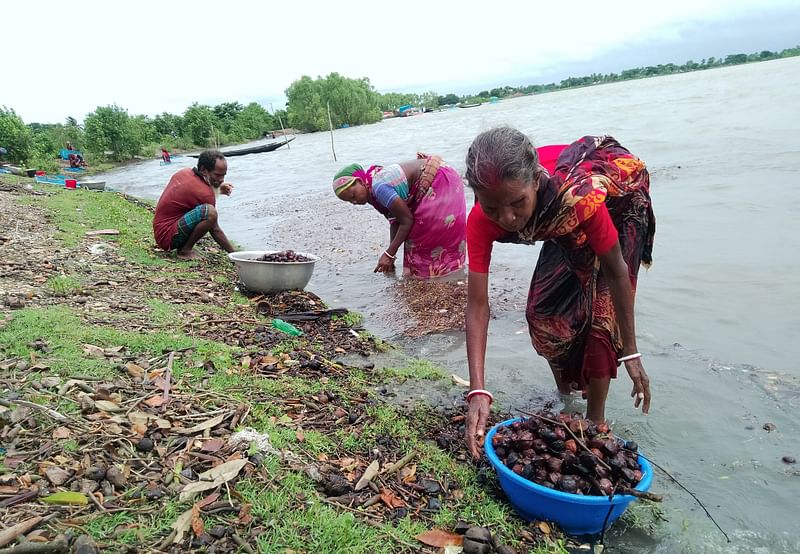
[{"x": 110, "y": 132}]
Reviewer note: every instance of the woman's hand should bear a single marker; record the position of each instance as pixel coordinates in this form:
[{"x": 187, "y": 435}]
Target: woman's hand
[
  {"x": 641, "y": 384},
  {"x": 226, "y": 189},
  {"x": 477, "y": 416},
  {"x": 385, "y": 264}
]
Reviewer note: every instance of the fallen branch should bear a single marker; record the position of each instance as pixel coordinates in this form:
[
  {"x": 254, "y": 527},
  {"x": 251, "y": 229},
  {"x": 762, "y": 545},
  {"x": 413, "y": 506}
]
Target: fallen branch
[
  {"x": 9, "y": 535},
  {"x": 52, "y": 413},
  {"x": 401, "y": 463},
  {"x": 242, "y": 543},
  {"x": 167, "y": 380},
  {"x": 56, "y": 546}
]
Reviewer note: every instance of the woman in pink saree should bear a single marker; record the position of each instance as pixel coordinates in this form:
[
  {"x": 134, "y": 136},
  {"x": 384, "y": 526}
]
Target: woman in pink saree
[{"x": 424, "y": 201}]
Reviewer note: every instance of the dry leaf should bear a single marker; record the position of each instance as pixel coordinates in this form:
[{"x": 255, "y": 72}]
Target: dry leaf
[
  {"x": 139, "y": 418},
  {"x": 244, "y": 514},
  {"x": 155, "y": 401},
  {"x": 212, "y": 445},
  {"x": 135, "y": 371},
  {"x": 369, "y": 474},
  {"x": 94, "y": 351},
  {"x": 210, "y": 499},
  {"x": 388, "y": 497},
  {"x": 163, "y": 423},
  {"x": 198, "y": 527},
  {"x": 544, "y": 527},
  {"x": 181, "y": 525},
  {"x": 139, "y": 428},
  {"x": 299, "y": 435},
  {"x": 213, "y": 478},
  {"x": 62, "y": 433},
  {"x": 457, "y": 494},
  {"x": 439, "y": 538},
  {"x": 107, "y": 406},
  {"x": 409, "y": 474},
  {"x": 208, "y": 424},
  {"x": 459, "y": 380}
]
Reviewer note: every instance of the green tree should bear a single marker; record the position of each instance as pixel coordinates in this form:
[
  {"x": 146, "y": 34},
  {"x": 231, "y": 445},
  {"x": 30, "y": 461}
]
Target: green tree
[
  {"x": 198, "y": 124},
  {"x": 110, "y": 128},
  {"x": 251, "y": 122},
  {"x": 168, "y": 125},
  {"x": 15, "y": 137},
  {"x": 305, "y": 106},
  {"x": 448, "y": 99},
  {"x": 226, "y": 114}
]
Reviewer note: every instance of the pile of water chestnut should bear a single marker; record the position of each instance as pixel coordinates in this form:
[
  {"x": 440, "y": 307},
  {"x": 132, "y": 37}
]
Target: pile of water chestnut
[
  {"x": 569, "y": 453},
  {"x": 285, "y": 256}
]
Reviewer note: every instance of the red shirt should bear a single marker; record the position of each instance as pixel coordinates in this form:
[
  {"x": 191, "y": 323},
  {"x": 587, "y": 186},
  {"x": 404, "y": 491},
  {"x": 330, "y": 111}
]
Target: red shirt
[
  {"x": 185, "y": 191},
  {"x": 482, "y": 231}
]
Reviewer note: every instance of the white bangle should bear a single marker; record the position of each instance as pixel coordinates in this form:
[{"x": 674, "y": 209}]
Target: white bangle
[
  {"x": 476, "y": 392},
  {"x": 387, "y": 253},
  {"x": 630, "y": 357}
]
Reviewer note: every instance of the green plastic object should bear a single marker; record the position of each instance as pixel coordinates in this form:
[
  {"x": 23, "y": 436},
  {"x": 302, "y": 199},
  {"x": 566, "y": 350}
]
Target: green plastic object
[{"x": 287, "y": 328}]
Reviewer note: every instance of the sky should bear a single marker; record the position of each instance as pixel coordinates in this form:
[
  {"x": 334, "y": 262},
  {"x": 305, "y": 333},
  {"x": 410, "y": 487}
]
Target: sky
[{"x": 151, "y": 57}]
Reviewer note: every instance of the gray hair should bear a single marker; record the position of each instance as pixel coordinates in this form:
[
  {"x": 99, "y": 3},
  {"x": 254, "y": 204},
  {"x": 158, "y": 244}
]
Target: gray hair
[{"x": 500, "y": 154}]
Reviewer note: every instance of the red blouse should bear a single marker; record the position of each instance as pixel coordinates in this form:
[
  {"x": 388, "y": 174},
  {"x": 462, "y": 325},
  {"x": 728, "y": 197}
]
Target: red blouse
[{"x": 482, "y": 231}]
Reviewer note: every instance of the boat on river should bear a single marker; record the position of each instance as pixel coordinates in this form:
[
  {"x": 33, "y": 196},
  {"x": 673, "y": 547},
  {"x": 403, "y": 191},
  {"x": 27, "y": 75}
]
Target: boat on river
[
  {"x": 475, "y": 105},
  {"x": 269, "y": 147}
]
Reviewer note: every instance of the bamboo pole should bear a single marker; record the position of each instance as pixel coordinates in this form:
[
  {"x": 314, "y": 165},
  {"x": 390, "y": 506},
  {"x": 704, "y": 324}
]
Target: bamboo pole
[
  {"x": 283, "y": 130},
  {"x": 330, "y": 124}
]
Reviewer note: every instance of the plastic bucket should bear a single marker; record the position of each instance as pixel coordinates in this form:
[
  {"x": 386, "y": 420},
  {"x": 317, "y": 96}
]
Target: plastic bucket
[
  {"x": 71, "y": 183},
  {"x": 577, "y": 514}
]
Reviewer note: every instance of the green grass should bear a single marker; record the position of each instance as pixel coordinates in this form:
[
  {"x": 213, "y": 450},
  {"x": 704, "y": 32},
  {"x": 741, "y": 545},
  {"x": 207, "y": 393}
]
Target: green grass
[
  {"x": 74, "y": 216},
  {"x": 415, "y": 369},
  {"x": 63, "y": 285},
  {"x": 351, "y": 319},
  {"x": 66, "y": 334}
]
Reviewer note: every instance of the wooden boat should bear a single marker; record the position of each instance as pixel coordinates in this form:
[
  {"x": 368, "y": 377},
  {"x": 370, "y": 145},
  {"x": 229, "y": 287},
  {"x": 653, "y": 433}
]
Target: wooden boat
[
  {"x": 470, "y": 105},
  {"x": 269, "y": 147},
  {"x": 19, "y": 171}
]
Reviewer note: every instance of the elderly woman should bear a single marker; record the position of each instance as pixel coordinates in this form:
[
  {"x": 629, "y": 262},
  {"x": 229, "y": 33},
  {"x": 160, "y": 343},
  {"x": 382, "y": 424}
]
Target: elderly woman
[
  {"x": 423, "y": 200},
  {"x": 589, "y": 204}
]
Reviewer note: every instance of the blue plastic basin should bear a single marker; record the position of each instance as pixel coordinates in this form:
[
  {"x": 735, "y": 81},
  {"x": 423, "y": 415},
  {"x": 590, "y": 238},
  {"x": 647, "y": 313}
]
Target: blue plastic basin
[{"x": 576, "y": 514}]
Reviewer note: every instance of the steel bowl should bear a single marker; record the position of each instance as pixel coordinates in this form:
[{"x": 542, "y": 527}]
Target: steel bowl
[{"x": 271, "y": 277}]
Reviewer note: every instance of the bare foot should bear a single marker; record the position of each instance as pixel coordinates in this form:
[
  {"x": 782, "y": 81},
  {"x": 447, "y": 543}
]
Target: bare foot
[{"x": 190, "y": 255}]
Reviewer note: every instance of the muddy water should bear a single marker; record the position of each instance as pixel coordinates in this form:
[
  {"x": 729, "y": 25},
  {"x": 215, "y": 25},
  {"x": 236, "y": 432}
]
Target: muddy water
[{"x": 718, "y": 315}]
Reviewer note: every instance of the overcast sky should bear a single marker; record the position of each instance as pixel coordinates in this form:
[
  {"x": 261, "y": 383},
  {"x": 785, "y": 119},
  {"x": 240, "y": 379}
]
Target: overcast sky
[{"x": 65, "y": 59}]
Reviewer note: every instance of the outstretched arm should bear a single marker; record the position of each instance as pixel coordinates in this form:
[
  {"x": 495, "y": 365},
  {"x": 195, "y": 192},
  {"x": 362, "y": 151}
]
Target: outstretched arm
[
  {"x": 219, "y": 236},
  {"x": 619, "y": 282},
  {"x": 477, "y": 322}
]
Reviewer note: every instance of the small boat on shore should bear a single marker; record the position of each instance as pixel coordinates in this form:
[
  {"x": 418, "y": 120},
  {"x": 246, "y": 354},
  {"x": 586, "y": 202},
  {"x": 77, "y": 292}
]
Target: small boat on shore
[
  {"x": 269, "y": 147},
  {"x": 475, "y": 105},
  {"x": 14, "y": 170}
]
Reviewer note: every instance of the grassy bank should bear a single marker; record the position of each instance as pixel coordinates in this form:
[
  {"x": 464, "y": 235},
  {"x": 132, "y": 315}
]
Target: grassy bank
[{"x": 132, "y": 353}]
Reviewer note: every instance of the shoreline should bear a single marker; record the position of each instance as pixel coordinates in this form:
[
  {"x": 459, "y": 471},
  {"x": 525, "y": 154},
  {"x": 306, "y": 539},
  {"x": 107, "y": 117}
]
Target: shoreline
[{"x": 92, "y": 325}]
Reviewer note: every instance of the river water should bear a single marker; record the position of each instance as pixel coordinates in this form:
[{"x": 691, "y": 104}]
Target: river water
[{"x": 718, "y": 314}]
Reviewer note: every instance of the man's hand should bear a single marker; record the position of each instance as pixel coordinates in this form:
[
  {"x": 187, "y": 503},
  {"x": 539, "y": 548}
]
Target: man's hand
[
  {"x": 226, "y": 189},
  {"x": 477, "y": 415}
]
